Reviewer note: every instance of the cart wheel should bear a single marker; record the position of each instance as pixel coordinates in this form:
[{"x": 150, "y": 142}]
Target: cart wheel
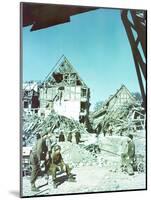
[{"x": 140, "y": 167}]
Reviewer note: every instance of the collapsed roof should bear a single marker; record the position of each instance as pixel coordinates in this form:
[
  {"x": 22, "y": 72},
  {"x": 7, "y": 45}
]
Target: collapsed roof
[
  {"x": 121, "y": 110},
  {"x": 63, "y": 73}
]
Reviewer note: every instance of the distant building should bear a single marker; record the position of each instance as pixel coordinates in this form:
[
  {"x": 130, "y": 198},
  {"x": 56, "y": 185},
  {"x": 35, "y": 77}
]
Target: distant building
[{"x": 65, "y": 92}]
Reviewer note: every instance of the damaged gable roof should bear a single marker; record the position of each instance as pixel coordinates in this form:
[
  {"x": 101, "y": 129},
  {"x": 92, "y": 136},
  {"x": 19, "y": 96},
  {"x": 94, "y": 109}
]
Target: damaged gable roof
[
  {"x": 63, "y": 66},
  {"x": 106, "y": 103}
]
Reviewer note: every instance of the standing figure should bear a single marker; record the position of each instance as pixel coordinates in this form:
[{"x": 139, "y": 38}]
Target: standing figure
[
  {"x": 131, "y": 155},
  {"x": 73, "y": 137},
  {"x": 128, "y": 156},
  {"x": 69, "y": 137},
  {"x": 77, "y": 136},
  {"x": 38, "y": 154},
  {"x": 61, "y": 137},
  {"x": 110, "y": 130}
]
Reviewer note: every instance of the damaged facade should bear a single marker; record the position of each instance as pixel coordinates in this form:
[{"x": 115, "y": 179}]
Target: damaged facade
[
  {"x": 31, "y": 97},
  {"x": 65, "y": 92},
  {"x": 121, "y": 111}
]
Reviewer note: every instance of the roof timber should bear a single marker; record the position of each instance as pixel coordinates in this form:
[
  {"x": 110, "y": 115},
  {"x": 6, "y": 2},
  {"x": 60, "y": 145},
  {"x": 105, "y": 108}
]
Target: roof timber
[
  {"x": 63, "y": 67},
  {"x": 106, "y": 103}
]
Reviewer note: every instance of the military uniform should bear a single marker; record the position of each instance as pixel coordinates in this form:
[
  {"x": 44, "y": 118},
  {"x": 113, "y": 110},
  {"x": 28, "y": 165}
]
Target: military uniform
[
  {"x": 69, "y": 137},
  {"x": 38, "y": 153},
  {"x": 77, "y": 136},
  {"x": 128, "y": 157},
  {"x": 58, "y": 164},
  {"x": 131, "y": 157},
  {"x": 35, "y": 165},
  {"x": 131, "y": 150},
  {"x": 61, "y": 137}
]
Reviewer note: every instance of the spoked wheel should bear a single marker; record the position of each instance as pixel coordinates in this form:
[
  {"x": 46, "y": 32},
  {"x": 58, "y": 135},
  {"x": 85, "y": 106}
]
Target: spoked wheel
[{"x": 140, "y": 167}]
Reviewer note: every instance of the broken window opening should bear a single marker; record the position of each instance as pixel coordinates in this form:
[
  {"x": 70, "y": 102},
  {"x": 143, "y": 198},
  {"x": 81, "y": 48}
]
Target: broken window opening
[
  {"x": 83, "y": 92},
  {"x": 61, "y": 88},
  {"x": 58, "y": 77},
  {"x": 82, "y": 119},
  {"x": 79, "y": 82},
  {"x": 83, "y": 106},
  {"x": 25, "y": 104},
  {"x": 36, "y": 111}
]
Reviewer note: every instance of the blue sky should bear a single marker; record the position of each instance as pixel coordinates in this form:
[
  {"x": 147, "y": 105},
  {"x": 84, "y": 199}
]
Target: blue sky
[{"x": 94, "y": 42}]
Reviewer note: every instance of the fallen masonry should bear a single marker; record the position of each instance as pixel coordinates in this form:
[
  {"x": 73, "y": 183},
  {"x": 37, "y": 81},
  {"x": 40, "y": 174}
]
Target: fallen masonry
[
  {"x": 119, "y": 114},
  {"x": 53, "y": 123},
  {"x": 96, "y": 160}
]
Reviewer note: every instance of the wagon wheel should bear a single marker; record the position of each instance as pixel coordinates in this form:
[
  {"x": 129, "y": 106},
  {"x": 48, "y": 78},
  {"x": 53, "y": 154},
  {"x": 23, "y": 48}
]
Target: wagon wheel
[{"x": 140, "y": 167}]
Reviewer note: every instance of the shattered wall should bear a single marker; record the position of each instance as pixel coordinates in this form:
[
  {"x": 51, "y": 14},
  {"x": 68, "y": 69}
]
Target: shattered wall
[
  {"x": 65, "y": 93},
  {"x": 121, "y": 112}
]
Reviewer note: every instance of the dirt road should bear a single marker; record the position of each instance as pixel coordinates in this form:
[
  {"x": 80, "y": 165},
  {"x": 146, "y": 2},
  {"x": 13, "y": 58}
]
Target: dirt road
[{"x": 89, "y": 179}]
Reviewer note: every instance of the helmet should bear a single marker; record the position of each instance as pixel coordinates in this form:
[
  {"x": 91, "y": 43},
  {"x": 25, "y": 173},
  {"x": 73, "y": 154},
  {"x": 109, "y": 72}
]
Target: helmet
[
  {"x": 57, "y": 147},
  {"x": 130, "y": 136}
]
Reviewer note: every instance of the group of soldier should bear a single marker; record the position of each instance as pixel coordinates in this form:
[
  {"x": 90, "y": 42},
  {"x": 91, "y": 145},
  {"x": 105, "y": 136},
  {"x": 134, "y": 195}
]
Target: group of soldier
[
  {"x": 46, "y": 157},
  {"x": 73, "y": 136}
]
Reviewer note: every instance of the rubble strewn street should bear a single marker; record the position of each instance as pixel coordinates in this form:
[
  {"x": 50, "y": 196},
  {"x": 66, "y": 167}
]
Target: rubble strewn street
[
  {"x": 93, "y": 173},
  {"x": 68, "y": 149},
  {"x": 53, "y": 122}
]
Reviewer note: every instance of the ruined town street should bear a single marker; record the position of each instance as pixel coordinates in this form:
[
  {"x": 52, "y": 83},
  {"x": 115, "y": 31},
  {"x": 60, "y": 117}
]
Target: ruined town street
[
  {"x": 93, "y": 172},
  {"x": 89, "y": 179}
]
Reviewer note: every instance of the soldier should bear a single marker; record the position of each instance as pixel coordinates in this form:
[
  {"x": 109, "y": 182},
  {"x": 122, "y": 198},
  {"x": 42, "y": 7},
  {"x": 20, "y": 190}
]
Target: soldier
[
  {"x": 124, "y": 155},
  {"x": 39, "y": 152},
  {"x": 77, "y": 136},
  {"x": 61, "y": 137},
  {"x": 110, "y": 130},
  {"x": 58, "y": 165},
  {"x": 129, "y": 155},
  {"x": 69, "y": 137}
]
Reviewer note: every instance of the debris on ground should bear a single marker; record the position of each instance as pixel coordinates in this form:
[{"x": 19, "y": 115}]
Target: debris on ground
[
  {"x": 53, "y": 122},
  {"x": 119, "y": 114},
  {"x": 76, "y": 155},
  {"x": 96, "y": 159}
]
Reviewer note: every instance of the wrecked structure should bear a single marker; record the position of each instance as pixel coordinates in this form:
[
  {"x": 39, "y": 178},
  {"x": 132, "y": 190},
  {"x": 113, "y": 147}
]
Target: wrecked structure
[
  {"x": 64, "y": 92},
  {"x": 53, "y": 123},
  {"x": 121, "y": 112},
  {"x": 31, "y": 97}
]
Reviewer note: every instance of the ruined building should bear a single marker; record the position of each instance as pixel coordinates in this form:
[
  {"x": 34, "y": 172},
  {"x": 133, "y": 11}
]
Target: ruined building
[
  {"x": 31, "y": 97},
  {"x": 64, "y": 92},
  {"x": 120, "y": 110}
]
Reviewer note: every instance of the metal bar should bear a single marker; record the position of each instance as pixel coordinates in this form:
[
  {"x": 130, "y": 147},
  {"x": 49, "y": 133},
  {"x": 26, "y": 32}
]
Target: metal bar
[{"x": 135, "y": 53}]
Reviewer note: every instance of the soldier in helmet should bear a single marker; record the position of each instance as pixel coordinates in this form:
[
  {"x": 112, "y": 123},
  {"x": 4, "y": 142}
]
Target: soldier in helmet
[
  {"x": 131, "y": 155},
  {"x": 128, "y": 156},
  {"x": 58, "y": 165},
  {"x": 61, "y": 137},
  {"x": 69, "y": 138},
  {"x": 77, "y": 136},
  {"x": 38, "y": 153}
]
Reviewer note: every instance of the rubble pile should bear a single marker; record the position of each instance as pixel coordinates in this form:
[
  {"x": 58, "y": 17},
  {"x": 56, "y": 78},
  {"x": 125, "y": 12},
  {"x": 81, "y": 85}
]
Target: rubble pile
[
  {"x": 119, "y": 114},
  {"x": 76, "y": 155},
  {"x": 53, "y": 123},
  {"x": 93, "y": 148}
]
